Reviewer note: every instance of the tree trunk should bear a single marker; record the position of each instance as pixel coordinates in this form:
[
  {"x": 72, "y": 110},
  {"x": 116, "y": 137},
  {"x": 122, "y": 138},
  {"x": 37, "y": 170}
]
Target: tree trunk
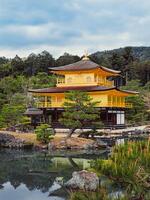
[
  {"x": 70, "y": 133},
  {"x": 73, "y": 163}
]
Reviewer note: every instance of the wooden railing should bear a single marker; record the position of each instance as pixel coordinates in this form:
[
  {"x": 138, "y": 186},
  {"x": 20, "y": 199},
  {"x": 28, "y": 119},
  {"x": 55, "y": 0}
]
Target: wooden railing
[
  {"x": 129, "y": 105},
  {"x": 44, "y": 104},
  {"x": 106, "y": 83},
  {"x": 49, "y": 104},
  {"x": 123, "y": 105},
  {"x": 107, "y": 104},
  {"x": 62, "y": 82}
]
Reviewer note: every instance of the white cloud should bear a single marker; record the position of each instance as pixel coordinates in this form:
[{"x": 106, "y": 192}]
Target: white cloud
[
  {"x": 78, "y": 45},
  {"x": 72, "y": 26}
]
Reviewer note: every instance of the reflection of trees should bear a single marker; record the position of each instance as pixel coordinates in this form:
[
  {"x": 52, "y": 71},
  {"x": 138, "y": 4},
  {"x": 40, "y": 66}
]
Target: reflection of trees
[
  {"x": 17, "y": 170},
  {"x": 34, "y": 169},
  {"x": 73, "y": 163}
]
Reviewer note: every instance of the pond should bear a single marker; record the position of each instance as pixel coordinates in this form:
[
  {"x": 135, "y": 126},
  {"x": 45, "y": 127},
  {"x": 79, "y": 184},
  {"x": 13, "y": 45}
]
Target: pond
[{"x": 31, "y": 175}]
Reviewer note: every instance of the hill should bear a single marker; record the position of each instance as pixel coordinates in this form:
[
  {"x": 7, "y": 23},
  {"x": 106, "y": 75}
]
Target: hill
[{"x": 140, "y": 53}]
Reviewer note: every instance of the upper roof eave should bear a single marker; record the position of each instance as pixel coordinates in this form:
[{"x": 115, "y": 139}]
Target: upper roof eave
[
  {"x": 67, "y": 89},
  {"x": 83, "y": 65},
  {"x": 80, "y": 88},
  {"x": 129, "y": 91}
]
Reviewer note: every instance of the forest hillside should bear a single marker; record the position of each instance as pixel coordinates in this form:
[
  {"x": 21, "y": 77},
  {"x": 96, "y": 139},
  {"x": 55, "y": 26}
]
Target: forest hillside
[{"x": 18, "y": 74}]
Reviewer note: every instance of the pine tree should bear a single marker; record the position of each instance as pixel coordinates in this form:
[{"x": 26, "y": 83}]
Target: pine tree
[{"x": 80, "y": 111}]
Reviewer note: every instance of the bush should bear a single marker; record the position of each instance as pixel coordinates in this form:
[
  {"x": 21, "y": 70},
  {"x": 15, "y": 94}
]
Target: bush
[
  {"x": 101, "y": 194},
  {"x": 129, "y": 167},
  {"x": 11, "y": 115},
  {"x": 44, "y": 133}
]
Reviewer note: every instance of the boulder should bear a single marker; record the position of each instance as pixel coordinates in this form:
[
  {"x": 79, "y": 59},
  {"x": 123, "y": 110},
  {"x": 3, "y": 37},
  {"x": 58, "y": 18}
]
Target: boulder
[
  {"x": 70, "y": 143},
  {"x": 83, "y": 180},
  {"x": 9, "y": 141},
  {"x": 98, "y": 144},
  {"x": 4, "y": 137},
  {"x": 101, "y": 143},
  {"x": 51, "y": 146}
]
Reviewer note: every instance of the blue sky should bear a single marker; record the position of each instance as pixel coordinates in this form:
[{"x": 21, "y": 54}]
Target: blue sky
[{"x": 72, "y": 26}]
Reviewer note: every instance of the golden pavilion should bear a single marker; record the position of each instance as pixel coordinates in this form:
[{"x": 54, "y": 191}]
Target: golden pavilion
[{"x": 87, "y": 76}]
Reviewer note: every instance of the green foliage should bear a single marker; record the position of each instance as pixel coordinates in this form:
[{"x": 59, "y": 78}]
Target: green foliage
[
  {"x": 136, "y": 114},
  {"x": 18, "y": 99},
  {"x": 13, "y": 95},
  {"x": 44, "y": 133},
  {"x": 99, "y": 195},
  {"x": 133, "y": 85},
  {"x": 11, "y": 115},
  {"x": 42, "y": 80},
  {"x": 129, "y": 167},
  {"x": 17, "y": 66},
  {"x": 12, "y": 110},
  {"x": 80, "y": 110},
  {"x": 17, "y": 75},
  {"x": 5, "y": 69},
  {"x": 10, "y": 85},
  {"x": 147, "y": 86},
  {"x": 67, "y": 58}
]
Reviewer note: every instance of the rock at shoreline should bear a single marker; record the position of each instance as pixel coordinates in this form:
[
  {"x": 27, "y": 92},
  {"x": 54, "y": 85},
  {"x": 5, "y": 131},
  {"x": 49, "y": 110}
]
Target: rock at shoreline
[
  {"x": 83, "y": 180},
  {"x": 9, "y": 141},
  {"x": 4, "y": 137},
  {"x": 75, "y": 143},
  {"x": 98, "y": 144}
]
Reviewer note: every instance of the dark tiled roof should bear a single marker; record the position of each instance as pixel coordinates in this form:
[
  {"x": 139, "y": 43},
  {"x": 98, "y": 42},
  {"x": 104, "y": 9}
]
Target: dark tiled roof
[
  {"x": 79, "y": 88},
  {"x": 66, "y": 89},
  {"x": 129, "y": 91},
  {"x": 83, "y": 65},
  {"x": 33, "y": 111}
]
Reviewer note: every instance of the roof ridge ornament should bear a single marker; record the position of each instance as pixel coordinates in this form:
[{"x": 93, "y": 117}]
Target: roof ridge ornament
[{"x": 86, "y": 56}]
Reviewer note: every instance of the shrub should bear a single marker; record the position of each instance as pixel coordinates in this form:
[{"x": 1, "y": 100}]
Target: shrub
[
  {"x": 129, "y": 166},
  {"x": 82, "y": 195},
  {"x": 44, "y": 133},
  {"x": 101, "y": 194}
]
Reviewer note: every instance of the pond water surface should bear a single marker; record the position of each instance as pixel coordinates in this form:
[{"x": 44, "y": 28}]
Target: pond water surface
[{"x": 30, "y": 175}]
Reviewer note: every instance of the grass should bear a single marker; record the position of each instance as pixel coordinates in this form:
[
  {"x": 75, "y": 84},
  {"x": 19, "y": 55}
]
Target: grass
[
  {"x": 30, "y": 137},
  {"x": 128, "y": 166},
  {"x": 58, "y": 138}
]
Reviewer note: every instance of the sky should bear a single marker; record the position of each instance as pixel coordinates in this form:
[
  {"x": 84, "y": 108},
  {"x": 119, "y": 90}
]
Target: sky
[{"x": 72, "y": 26}]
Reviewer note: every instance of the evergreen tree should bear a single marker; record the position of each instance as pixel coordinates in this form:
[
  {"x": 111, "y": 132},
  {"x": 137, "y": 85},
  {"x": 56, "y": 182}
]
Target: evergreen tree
[
  {"x": 66, "y": 58},
  {"x": 138, "y": 113},
  {"x": 5, "y": 69},
  {"x": 17, "y": 65},
  {"x": 80, "y": 111}
]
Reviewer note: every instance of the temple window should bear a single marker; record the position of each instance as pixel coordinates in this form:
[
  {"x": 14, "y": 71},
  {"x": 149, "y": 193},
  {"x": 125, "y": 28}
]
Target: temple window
[
  {"x": 88, "y": 79},
  {"x": 109, "y": 98},
  {"x": 95, "y": 77},
  {"x": 114, "y": 99},
  {"x": 59, "y": 99},
  {"x": 122, "y": 99},
  {"x": 53, "y": 99},
  {"x": 48, "y": 99},
  {"x": 41, "y": 98},
  {"x": 69, "y": 80},
  {"x": 118, "y": 100}
]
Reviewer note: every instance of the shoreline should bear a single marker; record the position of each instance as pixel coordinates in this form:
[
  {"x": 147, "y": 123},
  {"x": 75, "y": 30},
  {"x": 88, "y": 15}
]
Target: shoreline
[{"x": 78, "y": 143}]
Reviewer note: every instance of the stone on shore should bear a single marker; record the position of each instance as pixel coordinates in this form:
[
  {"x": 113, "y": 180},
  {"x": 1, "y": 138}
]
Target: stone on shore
[
  {"x": 83, "y": 180},
  {"x": 75, "y": 143},
  {"x": 98, "y": 144},
  {"x": 70, "y": 143},
  {"x": 9, "y": 141}
]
